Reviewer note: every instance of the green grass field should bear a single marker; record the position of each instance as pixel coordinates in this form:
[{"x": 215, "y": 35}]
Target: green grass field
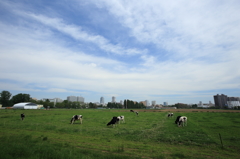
[{"x": 49, "y": 134}]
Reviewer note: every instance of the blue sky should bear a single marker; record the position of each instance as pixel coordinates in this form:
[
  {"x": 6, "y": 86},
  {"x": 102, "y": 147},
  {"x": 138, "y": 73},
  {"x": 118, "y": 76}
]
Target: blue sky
[{"x": 167, "y": 51}]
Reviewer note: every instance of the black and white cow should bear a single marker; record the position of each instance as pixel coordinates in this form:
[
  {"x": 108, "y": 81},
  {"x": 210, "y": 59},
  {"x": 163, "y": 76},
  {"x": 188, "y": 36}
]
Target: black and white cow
[
  {"x": 76, "y": 117},
  {"x": 114, "y": 121},
  {"x": 22, "y": 116},
  {"x": 170, "y": 114},
  {"x": 134, "y": 112},
  {"x": 121, "y": 118},
  {"x": 181, "y": 121}
]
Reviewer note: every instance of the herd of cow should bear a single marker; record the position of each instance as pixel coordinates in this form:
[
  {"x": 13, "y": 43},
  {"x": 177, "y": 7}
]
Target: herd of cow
[{"x": 180, "y": 120}]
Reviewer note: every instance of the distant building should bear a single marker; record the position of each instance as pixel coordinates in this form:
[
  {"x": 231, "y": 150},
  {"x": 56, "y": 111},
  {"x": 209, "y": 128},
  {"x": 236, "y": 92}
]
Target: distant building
[
  {"x": 121, "y": 102},
  {"x": 80, "y": 99},
  {"x": 55, "y": 100},
  {"x": 144, "y": 103},
  {"x": 45, "y": 99},
  {"x": 59, "y": 100},
  {"x": 165, "y": 104},
  {"x": 220, "y": 100},
  {"x": 34, "y": 99},
  {"x": 147, "y": 103},
  {"x": 75, "y": 99},
  {"x": 232, "y": 104},
  {"x": 200, "y": 104},
  {"x": 153, "y": 103},
  {"x": 233, "y": 98},
  {"x": 205, "y": 105},
  {"x": 158, "y": 106},
  {"x": 102, "y": 100},
  {"x": 150, "y": 107},
  {"x": 113, "y": 99},
  {"x": 72, "y": 98}
]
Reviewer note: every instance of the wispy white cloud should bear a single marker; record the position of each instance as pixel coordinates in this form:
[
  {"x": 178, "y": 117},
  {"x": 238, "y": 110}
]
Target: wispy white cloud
[
  {"x": 180, "y": 27},
  {"x": 78, "y": 33}
]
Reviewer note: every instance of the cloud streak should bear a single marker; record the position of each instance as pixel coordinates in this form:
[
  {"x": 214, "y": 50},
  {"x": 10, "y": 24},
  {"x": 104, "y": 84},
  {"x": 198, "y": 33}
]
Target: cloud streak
[{"x": 78, "y": 33}]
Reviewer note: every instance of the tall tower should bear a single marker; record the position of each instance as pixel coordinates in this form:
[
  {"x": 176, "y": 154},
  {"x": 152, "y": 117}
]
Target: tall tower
[
  {"x": 147, "y": 104},
  {"x": 102, "y": 100},
  {"x": 72, "y": 98},
  {"x": 220, "y": 100},
  {"x": 153, "y": 103},
  {"x": 80, "y": 99},
  {"x": 113, "y": 99}
]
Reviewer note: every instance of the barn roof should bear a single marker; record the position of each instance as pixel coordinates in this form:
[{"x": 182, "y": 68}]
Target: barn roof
[{"x": 25, "y": 104}]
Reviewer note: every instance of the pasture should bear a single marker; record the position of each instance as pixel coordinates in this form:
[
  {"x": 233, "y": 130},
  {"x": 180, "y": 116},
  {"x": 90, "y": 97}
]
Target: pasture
[{"x": 151, "y": 134}]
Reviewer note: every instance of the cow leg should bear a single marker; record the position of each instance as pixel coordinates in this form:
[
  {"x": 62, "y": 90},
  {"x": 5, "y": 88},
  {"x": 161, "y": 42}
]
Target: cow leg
[{"x": 179, "y": 124}]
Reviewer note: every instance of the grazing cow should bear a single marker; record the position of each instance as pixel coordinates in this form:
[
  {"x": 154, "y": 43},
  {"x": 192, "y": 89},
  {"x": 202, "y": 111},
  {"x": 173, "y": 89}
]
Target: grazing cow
[
  {"x": 170, "y": 114},
  {"x": 134, "y": 112},
  {"x": 22, "y": 116},
  {"x": 121, "y": 118},
  {"x": 113, "y": 121},
  {"x": 177, "y": 119},
  {"x": 76, "y": 117},
  {"x": 181, "y": 121}
]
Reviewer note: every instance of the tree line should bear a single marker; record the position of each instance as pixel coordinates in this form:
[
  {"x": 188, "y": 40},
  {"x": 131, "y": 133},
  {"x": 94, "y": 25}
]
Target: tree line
[{"x": 7, "y": 100}]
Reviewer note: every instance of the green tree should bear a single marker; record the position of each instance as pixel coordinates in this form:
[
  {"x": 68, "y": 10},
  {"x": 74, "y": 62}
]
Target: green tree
[
  {"x": 181, "y": 105},
  {"x": 109, "y": 105},
  {"x": 20, "y": 98},
  {"x": 5, "y": 98},
  {"x": 141, "y": 105},
  {"x": 131, "y": 104},
  {"x": 60, "y": 105},
  {"x": 92, "y": 105},
  {"x": 45, "y": 103},
  {"x": 126, "y": 104},
  {"x": 194, "y": 106},
  {"x": 83, "y": 105}
]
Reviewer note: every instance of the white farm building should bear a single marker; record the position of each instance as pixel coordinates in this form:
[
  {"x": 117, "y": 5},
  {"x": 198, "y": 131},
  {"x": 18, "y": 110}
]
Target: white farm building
[{"x": 27, "y": 106}]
